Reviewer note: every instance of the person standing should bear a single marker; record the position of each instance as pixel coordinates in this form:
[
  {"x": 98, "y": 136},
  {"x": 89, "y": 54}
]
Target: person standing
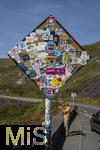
[{"x": 66, "y": 116}]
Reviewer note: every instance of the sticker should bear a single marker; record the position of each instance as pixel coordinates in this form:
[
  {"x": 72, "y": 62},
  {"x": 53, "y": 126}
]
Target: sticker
[
  {"x": 58, "y": 31},
  {"x": 75, "y": 61},
  {"x": 51, "y": 46},
  {"x": 40, "y": 47},
  {"x": 39, "y": 31},
  {"x": 84, "y": 55},
  {"x": 72, "y": 52},
  {"x": 57, "y": 53},
  {"x": 21, "y": 44},
  {"x": 45, "y": 37},
  {"x": 31, "y": 47},
  {"x": 29, "y": 39},
  {"x": 36, "y": 68},
  {"x": 55, "y": 71},
  {"x": 51, "y": 37},
  {"x": 43, "y": 80},
  {"x": 83, "y": 62},
  {"x": 23, "y": 67},
  {"x": 48, "y": 105},
  {"x": 56, "y": 82},
  {"x": 56, "y": 39},
  {"x": 70, "y": 40},
  {"x": 48, "y": 91},
  {"x": 78, "y": 52},
  {"x": 41, "y": 54},
  {"x": 73, "y": 68},
  {"x": 24, "y": 56},
  {"x": 51, "y": 21},
  {"x": 33, "y": 34}
]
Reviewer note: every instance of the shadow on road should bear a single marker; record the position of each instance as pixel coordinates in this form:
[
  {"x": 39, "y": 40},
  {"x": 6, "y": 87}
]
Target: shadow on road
[
  {"x": 73, "y": 133},
  {"x": 62, "y": 138},
  {"x": 60, "y": 143}
]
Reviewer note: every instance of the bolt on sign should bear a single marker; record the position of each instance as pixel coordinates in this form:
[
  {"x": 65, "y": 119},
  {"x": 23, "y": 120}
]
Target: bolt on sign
[{"x": 49, "y": 56}]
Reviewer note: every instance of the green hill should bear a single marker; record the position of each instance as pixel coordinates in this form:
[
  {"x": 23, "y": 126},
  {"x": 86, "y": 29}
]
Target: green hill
[{"x": 86, "y": 82}]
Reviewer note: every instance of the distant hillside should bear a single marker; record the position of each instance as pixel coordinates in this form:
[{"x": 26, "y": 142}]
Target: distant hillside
[{"x": 86, "y": 82}]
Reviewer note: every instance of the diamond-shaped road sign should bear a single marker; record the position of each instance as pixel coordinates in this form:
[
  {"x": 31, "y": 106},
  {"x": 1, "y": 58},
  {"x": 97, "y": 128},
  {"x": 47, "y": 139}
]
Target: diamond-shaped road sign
[{"x": 49, "y": 55}]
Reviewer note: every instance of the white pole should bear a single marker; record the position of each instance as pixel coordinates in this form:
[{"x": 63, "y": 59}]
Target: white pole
[{"x": 48, "y": 119}]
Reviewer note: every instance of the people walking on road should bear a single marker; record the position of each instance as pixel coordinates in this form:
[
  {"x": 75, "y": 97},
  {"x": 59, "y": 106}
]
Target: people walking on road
[{"x": 66, "y": 115}]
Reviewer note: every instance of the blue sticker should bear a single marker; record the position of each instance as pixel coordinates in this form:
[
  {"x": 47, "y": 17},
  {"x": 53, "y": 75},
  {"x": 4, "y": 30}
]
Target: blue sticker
[
  {"x": 72, "y": 52},
  {"x": 23, "y": 67},
  {"x": 51, "y": 46},
  {"x": 23, "y": 56},
  {"x": 21, "y": 44},
  {"x": 57, "y": 53}
]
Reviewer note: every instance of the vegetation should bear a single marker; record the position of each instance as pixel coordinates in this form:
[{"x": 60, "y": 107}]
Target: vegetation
[{"x": 27, "y": 114}]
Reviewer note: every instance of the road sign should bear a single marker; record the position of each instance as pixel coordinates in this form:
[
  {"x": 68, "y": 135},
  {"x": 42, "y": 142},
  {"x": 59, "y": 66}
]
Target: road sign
[
  {"x": 49, "y": 56},
  {"x": 73, "y": 94}
]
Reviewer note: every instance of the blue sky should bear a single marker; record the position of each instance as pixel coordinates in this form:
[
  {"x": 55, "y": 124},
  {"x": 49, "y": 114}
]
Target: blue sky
[{"x": 19, "y": 17}]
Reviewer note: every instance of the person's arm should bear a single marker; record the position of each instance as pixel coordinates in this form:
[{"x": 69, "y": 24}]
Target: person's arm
[{"x": 64, "y": 111}]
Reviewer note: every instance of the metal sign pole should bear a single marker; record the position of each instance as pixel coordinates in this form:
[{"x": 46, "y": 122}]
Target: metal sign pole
[
  {"x": 48, "y": 121},
  {"x": 73, "y": 101},
  {"x": 73, "y": 95}
]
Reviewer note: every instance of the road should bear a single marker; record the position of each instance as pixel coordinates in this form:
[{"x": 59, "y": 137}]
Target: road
[
  {"x": 11, "y": 99},
  {"x": 81, "y": 137}
]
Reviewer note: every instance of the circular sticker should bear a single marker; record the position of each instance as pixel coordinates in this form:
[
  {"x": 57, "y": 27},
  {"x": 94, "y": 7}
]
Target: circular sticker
[{"x": 48, "y": 91}]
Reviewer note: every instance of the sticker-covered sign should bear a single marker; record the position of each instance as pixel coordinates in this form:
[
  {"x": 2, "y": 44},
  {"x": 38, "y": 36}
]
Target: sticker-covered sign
[{"x": 49, "y": 55}]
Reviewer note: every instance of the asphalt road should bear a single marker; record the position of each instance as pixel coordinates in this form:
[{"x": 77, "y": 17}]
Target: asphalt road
[
  {"x": 81, "y": 137},
  {"x": 20, "y": 99}
]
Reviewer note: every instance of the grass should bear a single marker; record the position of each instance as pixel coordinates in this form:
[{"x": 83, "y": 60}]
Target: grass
[
  {"x": 13, "y": 114},
  {"x": 27, "y": 114}
]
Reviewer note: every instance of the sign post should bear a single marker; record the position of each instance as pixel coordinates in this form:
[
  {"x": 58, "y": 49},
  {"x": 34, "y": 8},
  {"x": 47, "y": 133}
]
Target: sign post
[
  {"x": 73, "y": 95},
  {"x": 49, "y": 56},
  {"x": 48, "y": 120}
]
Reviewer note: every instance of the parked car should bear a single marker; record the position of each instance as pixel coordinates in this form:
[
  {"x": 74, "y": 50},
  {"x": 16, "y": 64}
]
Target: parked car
[{"x": 95, "y": 122}]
